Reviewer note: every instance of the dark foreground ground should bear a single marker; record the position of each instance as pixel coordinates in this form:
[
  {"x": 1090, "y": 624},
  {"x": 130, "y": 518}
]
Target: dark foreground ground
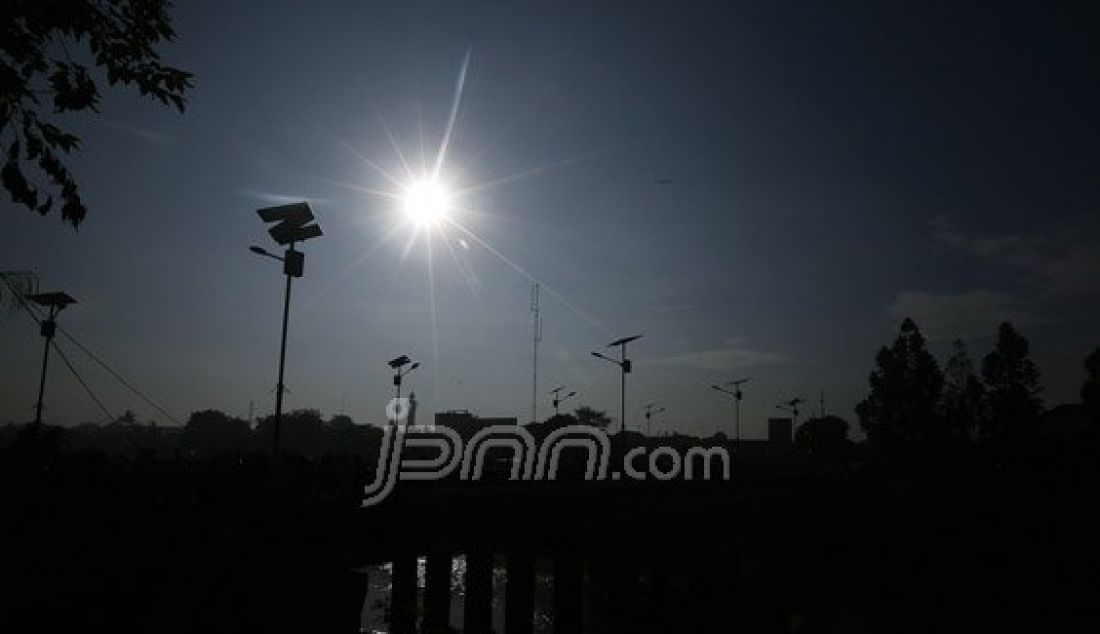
[{"x": 969, "y": 542}]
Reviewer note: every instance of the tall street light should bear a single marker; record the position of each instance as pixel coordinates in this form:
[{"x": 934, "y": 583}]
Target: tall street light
[
  {"x": 650, "y": 410},
  {"x": 559, "y": 399},
  {"x": 399, "y": 371},
  {"x": 791, "y": 407},
  {"x": 54, "y": 303},
  {"x": 736, "y": 415},
  {"x": 624, "y": 367},
  {"x": 295, "y": 224},
  {"x": 736, "y": 385}
]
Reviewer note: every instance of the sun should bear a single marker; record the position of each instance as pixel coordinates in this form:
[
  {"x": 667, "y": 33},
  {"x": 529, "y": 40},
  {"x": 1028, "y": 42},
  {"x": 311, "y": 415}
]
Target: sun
[{"x": 426, "y": 202}]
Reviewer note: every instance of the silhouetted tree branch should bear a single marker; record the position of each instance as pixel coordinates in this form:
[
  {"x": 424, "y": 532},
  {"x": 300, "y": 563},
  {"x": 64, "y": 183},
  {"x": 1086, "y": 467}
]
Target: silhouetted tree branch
[{"x": 119, "y": 36}]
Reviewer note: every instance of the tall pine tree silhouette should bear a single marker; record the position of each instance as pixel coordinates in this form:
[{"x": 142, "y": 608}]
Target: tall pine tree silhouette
[
  {"x": 902, "y": 410},
  {"x": 1012, "y": 383},
  {"x": 964, "y": 396}
]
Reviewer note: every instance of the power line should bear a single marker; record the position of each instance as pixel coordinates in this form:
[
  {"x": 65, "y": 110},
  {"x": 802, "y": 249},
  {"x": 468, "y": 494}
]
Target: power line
[
  {"x": 103, "y": 364},
  {"x": 30, "y": 310},
  {"x": 110, "y": 417},
  {"x": 22, "y": 302}
]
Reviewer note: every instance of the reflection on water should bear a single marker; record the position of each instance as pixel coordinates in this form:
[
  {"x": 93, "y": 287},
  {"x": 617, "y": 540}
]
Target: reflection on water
[{"x": 376, "y": 605}]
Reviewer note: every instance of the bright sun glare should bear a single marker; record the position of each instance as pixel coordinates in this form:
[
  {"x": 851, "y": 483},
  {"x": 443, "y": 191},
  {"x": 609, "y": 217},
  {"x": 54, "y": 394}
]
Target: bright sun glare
[{"x": 426, "y": 202}]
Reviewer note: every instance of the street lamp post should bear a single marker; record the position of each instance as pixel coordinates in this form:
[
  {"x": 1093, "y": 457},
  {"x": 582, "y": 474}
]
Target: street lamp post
[
  {"x": 54, "y": 303},
  {"x": 736, "y": 413},
  {"x": 559, "y": 399},
  {"x": 294, "y": 225},
  {"x": 650, "y": 410},
  {"x": 624, "y": 367},
  {"x": 399, "y": 372},
  {"x": 791, "y": 407},
  {"x": 737, "y": 405}
]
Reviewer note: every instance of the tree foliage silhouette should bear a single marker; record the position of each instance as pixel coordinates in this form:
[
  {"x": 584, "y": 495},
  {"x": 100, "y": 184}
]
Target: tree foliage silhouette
[
  {"x": 590, "y": 416},
  {"x": 964, "y": 397},
  {"x": 824, "y": 436},
  {"x": 902, "y": 408},
  {"x": 1090, "y": 391},
  {"x": 116, "y": 38},
  {"x": 302, "y": 430},
  {"x": 1012, "y": 382},
  {"x": 211, "y": 431}
]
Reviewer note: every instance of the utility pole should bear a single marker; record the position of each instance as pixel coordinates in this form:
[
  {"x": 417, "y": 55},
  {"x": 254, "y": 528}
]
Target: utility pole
[{"x": 54, "y": 303}]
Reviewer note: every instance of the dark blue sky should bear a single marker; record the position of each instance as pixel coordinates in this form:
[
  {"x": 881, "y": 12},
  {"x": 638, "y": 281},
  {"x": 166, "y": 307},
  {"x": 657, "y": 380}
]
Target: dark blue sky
[{"x": 836, "y": 166}]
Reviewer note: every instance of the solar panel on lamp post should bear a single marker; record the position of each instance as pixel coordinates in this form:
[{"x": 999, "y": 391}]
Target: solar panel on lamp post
[
  {"x": 294, "y": 224},
  {"x": 54, "y": 303}
]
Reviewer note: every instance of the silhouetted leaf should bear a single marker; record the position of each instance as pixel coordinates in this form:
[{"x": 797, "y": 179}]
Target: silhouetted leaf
[{"x": 17, "y": 185}]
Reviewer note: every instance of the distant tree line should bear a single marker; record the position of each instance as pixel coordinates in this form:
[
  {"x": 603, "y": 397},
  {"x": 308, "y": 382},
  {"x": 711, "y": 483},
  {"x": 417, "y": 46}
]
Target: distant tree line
[
  {"x": 212, "y": 433},
  {"x": 915, "y": 405},
  {"x": 207, "y": 433}
]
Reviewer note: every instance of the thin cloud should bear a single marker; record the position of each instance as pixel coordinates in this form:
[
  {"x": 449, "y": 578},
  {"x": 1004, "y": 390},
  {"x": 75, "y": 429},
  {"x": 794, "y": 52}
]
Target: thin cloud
[
  {"x": 278, "y": 199},
  {"x": 142, "y": 133},
  {"x": 1062, "y": 262}
]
